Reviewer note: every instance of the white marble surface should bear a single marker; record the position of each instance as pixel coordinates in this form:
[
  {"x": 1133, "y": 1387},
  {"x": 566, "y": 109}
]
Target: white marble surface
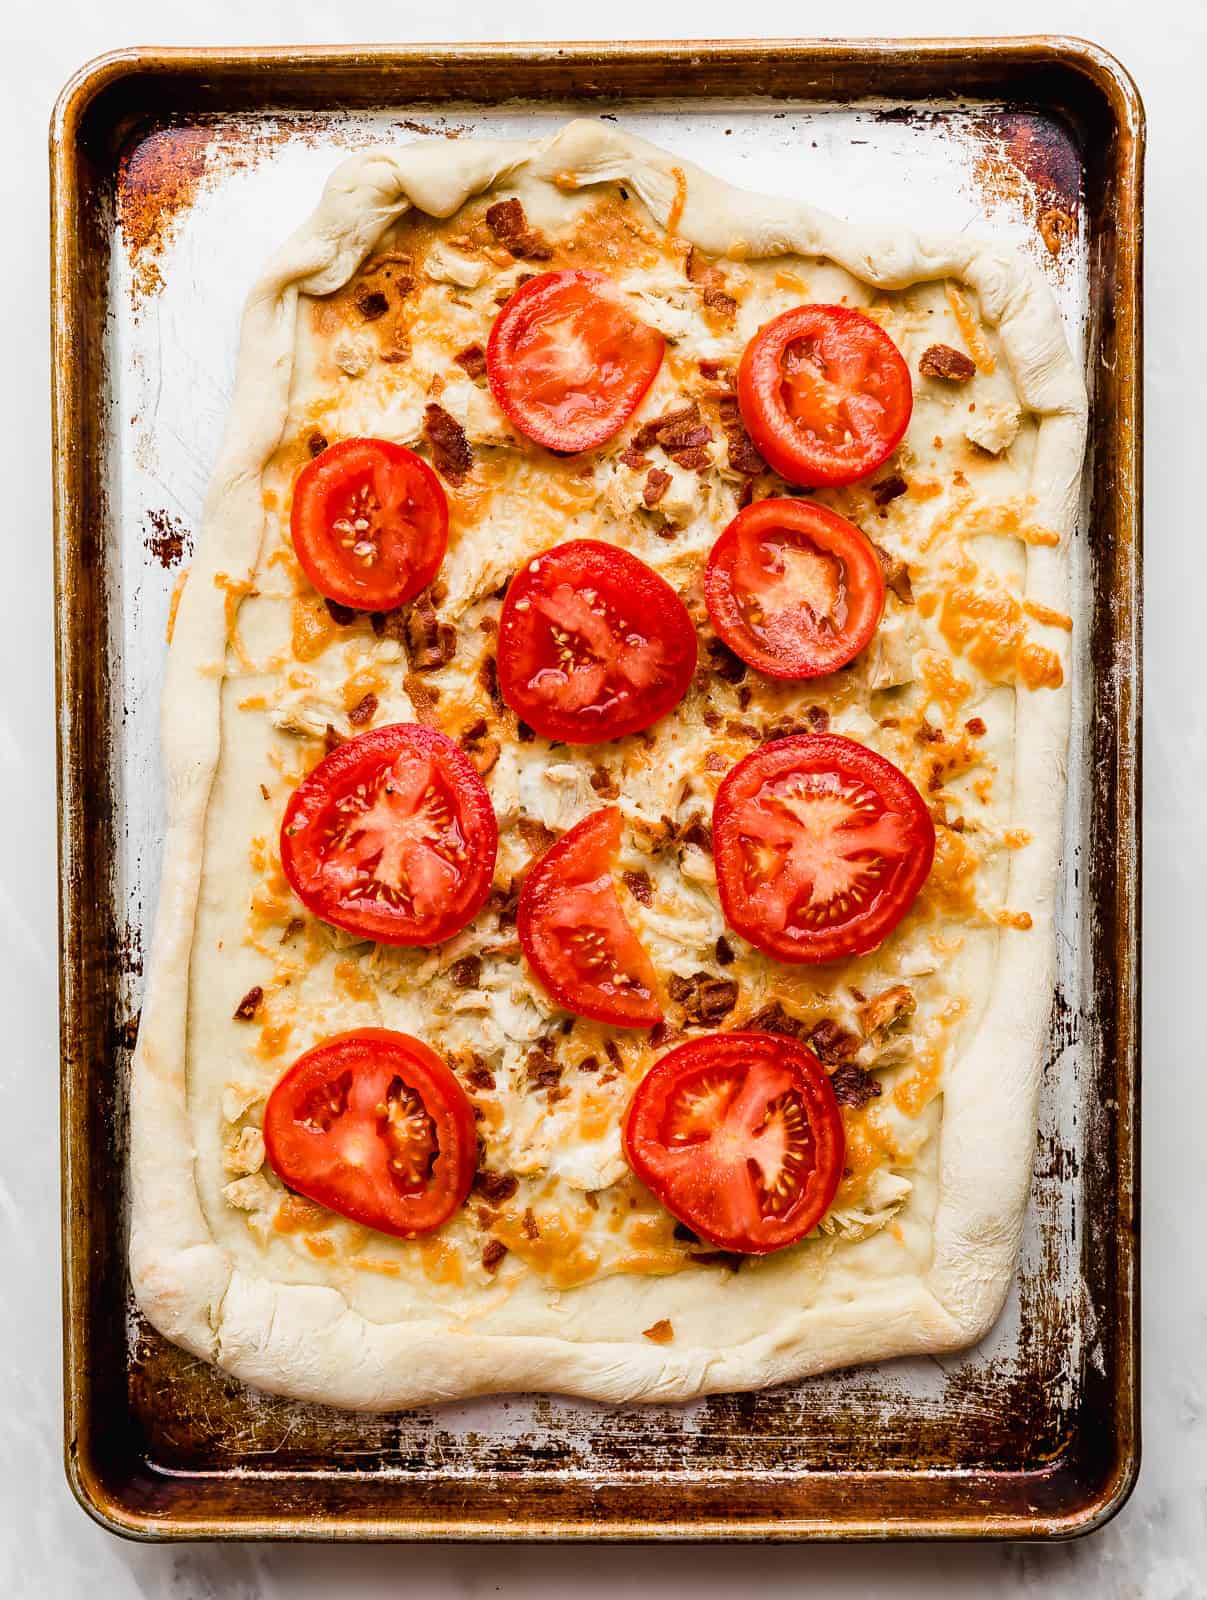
[{"x": 1157, "y": 1547}]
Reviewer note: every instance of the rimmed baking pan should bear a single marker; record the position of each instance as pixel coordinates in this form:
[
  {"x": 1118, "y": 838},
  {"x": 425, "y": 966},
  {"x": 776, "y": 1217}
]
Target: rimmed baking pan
[{"x": 174, "y": 173}]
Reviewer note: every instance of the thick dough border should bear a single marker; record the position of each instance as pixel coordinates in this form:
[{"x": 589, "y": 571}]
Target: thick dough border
[{"x": 304, "y": 1340}]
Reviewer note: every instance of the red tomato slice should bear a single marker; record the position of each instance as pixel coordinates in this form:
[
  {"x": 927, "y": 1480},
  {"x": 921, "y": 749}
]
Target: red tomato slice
[
  {"x": 740, "y": 1136},
  {"x": 568, "y": 361},
  {"x": 369, "y": 523},
  {"x": 820, "y": 846},
  {"x": 825, "y": 394},
  {"x": 793, "y": 588},
  {"x": 593, "y": 644},
  {"x": 392, "y": 837},
  {"x": 372, "y": 1124},
  {"x": 576, "y": 937}
]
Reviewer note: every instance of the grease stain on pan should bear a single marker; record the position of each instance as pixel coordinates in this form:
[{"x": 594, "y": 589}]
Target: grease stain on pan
[
  {"x": 164, "y": 170},
  {"x": 1023, "y": 160},
  {"x": 1031, "y": 163},
  {"x": 167, "y": 540}
]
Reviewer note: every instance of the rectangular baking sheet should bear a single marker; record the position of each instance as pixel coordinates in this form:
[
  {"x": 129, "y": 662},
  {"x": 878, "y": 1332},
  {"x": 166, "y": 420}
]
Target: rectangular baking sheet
[{"x": 175, "y": 175}]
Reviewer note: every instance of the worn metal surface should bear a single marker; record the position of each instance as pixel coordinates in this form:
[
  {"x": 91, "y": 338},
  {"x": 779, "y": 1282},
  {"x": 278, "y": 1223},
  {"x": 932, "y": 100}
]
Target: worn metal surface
[{"x": 175, "y": 175}]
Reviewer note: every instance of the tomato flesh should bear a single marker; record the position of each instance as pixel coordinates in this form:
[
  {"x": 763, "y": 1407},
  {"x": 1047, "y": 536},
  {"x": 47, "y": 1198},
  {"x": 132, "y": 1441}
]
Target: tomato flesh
[
  {"x": 369, "y": 523},
  {"x": 575, "y": 935},
  {"x": 825, "y": 394},
  {"x": 740, "y": 1137},
  {"x": 821, "y": 847},
  {"x": 568, "y": 361},
  {"x": 593, "y": 644},
  {"x": 793, "y": 588},
  {"x": 373, "y": 1125},
  {"x": 392, "y": 837}
]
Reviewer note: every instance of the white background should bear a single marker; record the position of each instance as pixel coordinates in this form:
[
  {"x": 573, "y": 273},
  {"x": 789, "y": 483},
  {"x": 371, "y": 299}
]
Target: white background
[{"x": 1157, "y": 1547}]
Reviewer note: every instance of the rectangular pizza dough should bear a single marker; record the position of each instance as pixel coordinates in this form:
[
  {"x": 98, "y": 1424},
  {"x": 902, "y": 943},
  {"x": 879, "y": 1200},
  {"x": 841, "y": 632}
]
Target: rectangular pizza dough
[{"x": 965, "y": 686}]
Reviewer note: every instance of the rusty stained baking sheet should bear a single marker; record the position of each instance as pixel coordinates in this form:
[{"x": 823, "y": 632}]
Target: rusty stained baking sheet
[{"x": 979, "y": 1442}]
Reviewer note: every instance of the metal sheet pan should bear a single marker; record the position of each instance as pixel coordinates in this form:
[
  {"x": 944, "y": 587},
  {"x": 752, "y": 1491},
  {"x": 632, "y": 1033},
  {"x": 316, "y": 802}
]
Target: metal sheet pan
[{"x": 174, "y": 174}]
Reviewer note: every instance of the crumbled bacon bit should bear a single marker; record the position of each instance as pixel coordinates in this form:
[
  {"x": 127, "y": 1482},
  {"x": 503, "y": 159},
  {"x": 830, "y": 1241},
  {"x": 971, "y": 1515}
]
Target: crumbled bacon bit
[
  {"x": 332, "y": 739},
  {"x": 887, "y": 1008},
  {"x": 265, "y": 792},
  {"x": 474, "y": 734},
  {"x": 639, "y": 886},
  {"x": 889, "y": 489},
  {"x": 784, "y": 730},
  {"x": 541, "y": 1070},
  {"x": 662, "y": 1034},
  {"x": 529, "y": 1224},
  {"x": 819, "y": 719},
  {"x": 715, "y": 762},
  {"x": 705, "y": 999},
  {"x": 695, "y": 831},
  {"x": 831, "y": 1043},
  {"x": 657, "y": 483},
  {"x": 316, "y": 444},
  {"x": 363, "y": 712},
  {"x": 343, "y": 615},
  {"x": 477, "y": 1074},
  {"x": 941, "y": 361},
  {"x": 661, "y": 1332},
  {"x": 493, "y": 1252},
  {"x": 725, "y": 664},
  {"x": 495, "y": 1187},
  {"x": 724, "y": 952},
  {"x": 508, "y": 221},
  {"x": 430, "y": 643},
  {"x": 612, "y": 1051},
  {"x": 488, "y": 678},
  {"x": 523, "y": 732},
  {"x": 589, "y": 1064},
  {"x": 927, "y": 733},
  {"x": 774, "y": 1019},
  {"x": 896, "y": 574},
  {"x": 715, "y": 372},
  {"x": 741, "y": 730},
  {"x": 451, "y": 453},
  {"x": 743, "y": 456},
  {"x": 634, "y": 458},
  {"x": 249, "y": 1005},
  {"x": 976, "y": 727},
  {"x": 535, "y": 834},
  {"x": 472, "y": 360},
  {"x": 712, "y": 283},
  {"x": 388, "y": 624},
  {"x": 681, "y": 428},
  {"x": 371, "y": 304},
  {"x": 466, "y": 972},
  {"x": 853, "y": 1086},
  {"x": 695, "y": 458},
  {"x": 604, "y": 784}
]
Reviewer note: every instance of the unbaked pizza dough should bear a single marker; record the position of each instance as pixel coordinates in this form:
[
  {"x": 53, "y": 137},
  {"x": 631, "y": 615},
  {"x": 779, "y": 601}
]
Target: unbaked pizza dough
[{"x": 965, "y": 686}]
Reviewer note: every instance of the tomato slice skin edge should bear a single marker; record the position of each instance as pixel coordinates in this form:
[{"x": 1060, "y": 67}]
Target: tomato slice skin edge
[
  {"x": 706, "y": 1183},
  {"x": 628, "y": 591},
  {"x": 629, "y": 361},
  {"x": 786, "y": 447},
  {"x": 836, "y": 537},
  {"x": 812, "y": 754},
  {"x": 577, "y": 869},
  {"x": 308, "y": 816},
  {"x": 312, "y": 1161},
  {"x": 410, "y": 552}
]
